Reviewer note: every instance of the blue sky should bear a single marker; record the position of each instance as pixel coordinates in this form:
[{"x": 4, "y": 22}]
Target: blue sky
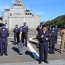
[{"x": 46, "y": 9}]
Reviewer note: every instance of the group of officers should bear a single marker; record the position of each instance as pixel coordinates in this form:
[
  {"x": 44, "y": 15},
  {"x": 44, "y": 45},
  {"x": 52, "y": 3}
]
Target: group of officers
[
  {"x": 47, "y": 38},
  {"x": 20, "y": 38}
]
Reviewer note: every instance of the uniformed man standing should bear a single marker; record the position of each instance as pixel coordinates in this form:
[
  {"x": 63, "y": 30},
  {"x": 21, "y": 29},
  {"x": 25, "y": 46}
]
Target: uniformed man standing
[
  {"x": 24, "y": 33},
  {"x": 16, "y": 34},
  {"x": 43, "y": 37},
  {"x": 4, "y": 34},
  {"x": 62, "y": 33},
  {"x": 52, "y": 40},
  {"x": 56, "y": 30},
  {"x": 38, "y": 29},
  {"x": 0, "y": 45}
]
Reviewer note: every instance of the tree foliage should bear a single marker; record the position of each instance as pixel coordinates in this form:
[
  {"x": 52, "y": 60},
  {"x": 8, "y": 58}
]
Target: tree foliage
[{"x": 59, "y": 21}]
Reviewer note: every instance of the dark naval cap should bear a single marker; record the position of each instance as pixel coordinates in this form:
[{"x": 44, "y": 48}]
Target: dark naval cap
[
  {"x": 24, "y": 23},
  {"x": 44, "y": 26},
  {"x": 4, "y": 26},
  {"x": 16, "y": 25}
]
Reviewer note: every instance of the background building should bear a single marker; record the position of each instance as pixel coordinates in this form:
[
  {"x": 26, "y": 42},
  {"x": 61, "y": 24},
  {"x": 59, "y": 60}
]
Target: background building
[{"x": 18, "y": 15}]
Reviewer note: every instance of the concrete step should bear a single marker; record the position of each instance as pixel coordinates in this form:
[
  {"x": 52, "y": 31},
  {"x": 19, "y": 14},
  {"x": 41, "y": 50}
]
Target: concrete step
[{"x": 53, "y": 62}]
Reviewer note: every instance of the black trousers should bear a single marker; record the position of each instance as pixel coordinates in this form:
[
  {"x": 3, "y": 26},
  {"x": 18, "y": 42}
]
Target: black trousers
[
  {"x": 52, "y": 44},
  {"x": 3, "y": 46},
  {"x": 16, "y": 37},
  {"x": 43, "y": 51},
  {"x": 24, "y": 38}
]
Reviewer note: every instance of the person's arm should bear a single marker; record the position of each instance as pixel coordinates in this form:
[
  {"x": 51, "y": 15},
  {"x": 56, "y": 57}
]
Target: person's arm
[
  {"x": 61, "y": 33},
  {"x": 39, "y": 37},
  {"x": 47, "y": 36},
  {"x": 37, "y": 29},
  {"x": 27, "y": 28},
  {"x": 7, "y": 33}
]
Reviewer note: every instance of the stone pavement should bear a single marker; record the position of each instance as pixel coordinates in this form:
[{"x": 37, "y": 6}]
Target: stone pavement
[
  {"x": 14, "y": 58},
  {"x": 53, "y": 62}
]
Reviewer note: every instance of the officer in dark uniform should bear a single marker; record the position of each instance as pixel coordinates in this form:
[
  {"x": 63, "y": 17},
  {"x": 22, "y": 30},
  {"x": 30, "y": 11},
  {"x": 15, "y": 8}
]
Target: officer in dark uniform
[
  {"x": 56, "y": 30},
  {"x": 16, "y": 34},
  {"x": 43, "y": 37},
  {"x": 24, "y": 33},
  {"x": 38, "y": 29},
  {"x": 0, "y": 45},
  {"x": 4, "y": 34},
  {"x": 52, "y": 40}
]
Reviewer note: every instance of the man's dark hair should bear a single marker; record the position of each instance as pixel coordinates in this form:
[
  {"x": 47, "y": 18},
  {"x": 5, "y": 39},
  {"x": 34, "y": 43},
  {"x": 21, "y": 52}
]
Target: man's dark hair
[{"x": 44, "y": 26}]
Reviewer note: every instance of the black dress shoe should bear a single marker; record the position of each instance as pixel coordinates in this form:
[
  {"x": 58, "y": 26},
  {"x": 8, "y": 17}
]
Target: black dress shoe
[
  {"x": 20, "y": 53},
  {"x": 25, "y": 45},
  {"x": 53, "y": 53},
  {"x": 37, "y": 46},
  {"x": 1, "y": 54},
  {"x": 46, "y": 61},
  {"x": 50, "y": 52},
  {"x": 40, "y": 62},
  {"x": 6, "y": 54}
]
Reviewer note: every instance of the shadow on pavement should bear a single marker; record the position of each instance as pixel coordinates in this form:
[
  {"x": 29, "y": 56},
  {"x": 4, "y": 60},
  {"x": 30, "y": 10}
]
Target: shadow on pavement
[
  {"x": 33, "y": 42},
  {"x": 15, "y": 49},
  {"x": 14, "y": 43},
  {"x": 58, "y": 50},
  {"x": 31, "y": 54}
]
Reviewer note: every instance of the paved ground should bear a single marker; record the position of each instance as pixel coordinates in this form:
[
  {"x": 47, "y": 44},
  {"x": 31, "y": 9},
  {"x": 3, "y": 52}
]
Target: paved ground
[
  {"x": 54, "y": 62},
  {"x": 30, "y": 53}
]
